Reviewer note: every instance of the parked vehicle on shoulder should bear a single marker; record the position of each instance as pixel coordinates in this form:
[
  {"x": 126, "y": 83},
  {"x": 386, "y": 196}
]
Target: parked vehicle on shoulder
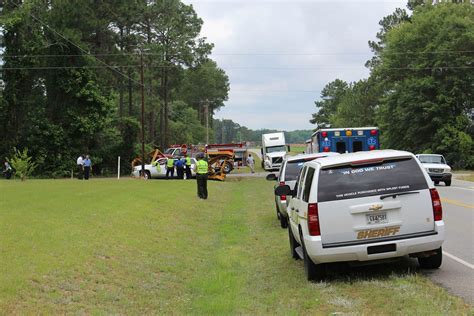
[
  {"x": 344, "y": 140},
  {"x": 363, "y": 207},
  {"x": 288, "y": 174},
  {"x": 157, "y": 169},
  {"x": 274, "y": 150},
  {"x": 436, "y": 167}
]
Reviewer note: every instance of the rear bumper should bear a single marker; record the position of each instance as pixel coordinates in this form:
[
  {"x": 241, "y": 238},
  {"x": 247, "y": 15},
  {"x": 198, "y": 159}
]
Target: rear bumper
[
  {"x": 403, "y": 247},
  {"x": 440, "y": 176},
  {"x": 282, "y": 207}
]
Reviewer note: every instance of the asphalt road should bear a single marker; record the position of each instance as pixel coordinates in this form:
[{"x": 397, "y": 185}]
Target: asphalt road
[{"x": 456, "y": 273}]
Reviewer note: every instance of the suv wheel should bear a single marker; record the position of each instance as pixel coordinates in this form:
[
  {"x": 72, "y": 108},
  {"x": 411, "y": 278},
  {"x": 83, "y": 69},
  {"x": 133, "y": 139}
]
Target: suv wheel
[
  {"x": 283, "y": 221},
  {"x": 433, "y": 262},
  {"x": 314, "y": 272},
  {"x": 436, "y": 182},
  {"x": 293, "y": 244},
  {"x": 448, "y": 183}
]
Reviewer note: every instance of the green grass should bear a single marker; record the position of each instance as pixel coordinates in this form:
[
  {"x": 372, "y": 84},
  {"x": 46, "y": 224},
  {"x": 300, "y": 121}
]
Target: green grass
[
  {"x": 295, "y": 149},
  {"x": 151, "y": 247},
  {"x": 466, "y": 178}
]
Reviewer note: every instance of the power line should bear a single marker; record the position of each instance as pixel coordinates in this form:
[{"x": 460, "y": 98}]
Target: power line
[
  {"x": 237, "y": 54},
  {"x": 231, "y": 67},
  {"x": 74, "y": 44}
]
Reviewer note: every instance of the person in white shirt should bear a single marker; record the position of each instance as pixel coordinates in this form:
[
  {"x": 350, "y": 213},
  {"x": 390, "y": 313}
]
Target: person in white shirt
[
  {"x": 80, "y": 167},
  {"x": 251, "y": 163}
]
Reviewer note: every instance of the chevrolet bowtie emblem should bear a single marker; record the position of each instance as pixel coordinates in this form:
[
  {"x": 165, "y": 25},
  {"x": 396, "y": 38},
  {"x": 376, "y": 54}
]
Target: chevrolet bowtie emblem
[{"x": 376, "y": 207}]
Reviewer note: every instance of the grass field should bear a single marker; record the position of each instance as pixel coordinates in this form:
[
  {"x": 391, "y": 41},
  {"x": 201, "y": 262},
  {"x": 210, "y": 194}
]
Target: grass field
[{"x": 133, "y": 246}]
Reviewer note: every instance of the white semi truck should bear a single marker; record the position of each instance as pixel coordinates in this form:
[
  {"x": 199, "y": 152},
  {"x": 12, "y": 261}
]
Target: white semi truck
[{"x": 273, "y": 150}]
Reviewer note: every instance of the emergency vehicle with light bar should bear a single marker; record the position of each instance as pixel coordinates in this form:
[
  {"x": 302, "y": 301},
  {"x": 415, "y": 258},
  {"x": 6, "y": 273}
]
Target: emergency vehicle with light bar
[
  {"x": 344, "y": 140},
  {"x": 364, "y": 206}
]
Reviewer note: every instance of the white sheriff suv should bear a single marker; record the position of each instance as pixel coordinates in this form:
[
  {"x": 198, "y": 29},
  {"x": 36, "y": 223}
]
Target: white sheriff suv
[{"x": 364, "y": 206}]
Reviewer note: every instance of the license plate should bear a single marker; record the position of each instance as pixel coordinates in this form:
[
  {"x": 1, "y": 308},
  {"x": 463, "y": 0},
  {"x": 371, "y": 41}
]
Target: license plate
[{"x": 379, "y": 218}]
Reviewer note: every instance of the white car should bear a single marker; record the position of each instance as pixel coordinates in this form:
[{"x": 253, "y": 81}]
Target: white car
[
  {"x": 288, "y": 174},
  {"x": 154, "y": 172},
  {"x": 436, "y": 167},
  {"x": 364, "y": 206}
]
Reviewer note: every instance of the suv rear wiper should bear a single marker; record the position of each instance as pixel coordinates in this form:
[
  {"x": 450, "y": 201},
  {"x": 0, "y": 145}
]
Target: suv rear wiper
[{"x": 396, "y": 194}]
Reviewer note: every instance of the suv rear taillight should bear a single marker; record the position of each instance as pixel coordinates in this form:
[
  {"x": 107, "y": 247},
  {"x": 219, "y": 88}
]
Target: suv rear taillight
[
  {"x": 282, "y": 197},
  {"x": 313, "y": 220},
  {"x": 437, "y": 207}
]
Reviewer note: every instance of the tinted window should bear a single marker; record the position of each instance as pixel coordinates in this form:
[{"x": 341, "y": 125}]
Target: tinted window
[
  {"x": 307, "y": 184},
  {"x": 348, "y": 182},
  {"x": 292, "y": 170},
  {"x": 341, "y": 147},
  {"x": 357, "y": 146}
]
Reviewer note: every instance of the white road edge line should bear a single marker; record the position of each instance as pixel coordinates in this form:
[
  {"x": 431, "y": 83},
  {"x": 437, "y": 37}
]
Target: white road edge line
[{"x": 467, "y": 264}]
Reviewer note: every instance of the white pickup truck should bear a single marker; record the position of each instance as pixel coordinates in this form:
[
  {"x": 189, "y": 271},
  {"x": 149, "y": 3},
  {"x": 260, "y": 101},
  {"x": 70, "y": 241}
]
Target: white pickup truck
[
  {"x": 364, "y": 206},
  {"x": 158, "y": 170}
]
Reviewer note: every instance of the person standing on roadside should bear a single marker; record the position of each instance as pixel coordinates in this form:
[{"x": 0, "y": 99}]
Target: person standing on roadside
[
  {"x": 251, "y": 163},
  {"x": 87, "y": 167},
  {"x": 169, "y": 168},
  {"x": 188, "y": 167},
  {"x": 201, "y": 176},
  {"x": 180, "y": 168},
  {"x": 80, "y": 167},
  {"x": 7, "y": 170}
]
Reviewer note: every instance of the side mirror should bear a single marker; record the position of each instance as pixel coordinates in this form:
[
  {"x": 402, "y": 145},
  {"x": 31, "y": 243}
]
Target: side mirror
[
  {"x": 282, "y": 190},
  {"x": 271, "y": 177}
]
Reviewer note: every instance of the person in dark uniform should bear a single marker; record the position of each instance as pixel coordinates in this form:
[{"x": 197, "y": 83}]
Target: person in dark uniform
[
  {"x": 87, "y": 167},
  {"x": 201, "y": 176},
  {"x": 180, "y": 168},
  {"x": 188, "y": 167}
]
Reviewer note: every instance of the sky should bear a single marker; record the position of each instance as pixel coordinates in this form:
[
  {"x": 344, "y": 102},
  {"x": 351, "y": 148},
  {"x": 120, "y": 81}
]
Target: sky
[{"x": 280, "y": 54}]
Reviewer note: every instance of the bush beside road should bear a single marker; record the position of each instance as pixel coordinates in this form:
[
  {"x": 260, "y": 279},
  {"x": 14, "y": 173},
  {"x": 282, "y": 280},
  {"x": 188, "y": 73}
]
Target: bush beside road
[{"x": 134, "y": 247}]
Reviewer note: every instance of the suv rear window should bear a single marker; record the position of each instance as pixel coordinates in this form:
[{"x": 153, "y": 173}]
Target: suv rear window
[
  {"x": 349, "y": 182},
  {"x": 292, "y": 169}
]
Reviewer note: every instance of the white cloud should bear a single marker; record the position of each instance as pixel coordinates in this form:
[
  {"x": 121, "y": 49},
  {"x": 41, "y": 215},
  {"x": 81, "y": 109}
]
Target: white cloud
[{"x": 277, "y": 52}]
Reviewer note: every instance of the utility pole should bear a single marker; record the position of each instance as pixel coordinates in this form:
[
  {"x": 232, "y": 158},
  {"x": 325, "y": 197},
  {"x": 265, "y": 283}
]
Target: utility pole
[
  {"x": 143, "y": 113},
  {"x": 206, "y": 112}
]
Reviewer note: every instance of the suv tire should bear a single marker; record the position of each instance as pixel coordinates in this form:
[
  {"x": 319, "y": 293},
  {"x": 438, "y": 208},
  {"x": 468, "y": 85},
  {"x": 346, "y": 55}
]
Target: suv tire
[
  {"x": 448, "y": 183},
  {"x": 293, "y": 244},
  {"x": 314, "y": 272},
  {"x": 283, "y": 220},
  {"x": 436, "y": 182},
  {"x": 433, "y": 262}
]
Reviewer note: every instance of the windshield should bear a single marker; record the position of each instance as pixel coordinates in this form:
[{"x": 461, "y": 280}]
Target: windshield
[
  {"x": 275, "y": 149},
  {"x": 432, "y": 159},
  {"x": 169, "y": 151}
]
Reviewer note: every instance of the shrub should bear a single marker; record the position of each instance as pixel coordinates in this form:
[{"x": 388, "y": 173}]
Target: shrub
[{"x": 22, "y": 163}]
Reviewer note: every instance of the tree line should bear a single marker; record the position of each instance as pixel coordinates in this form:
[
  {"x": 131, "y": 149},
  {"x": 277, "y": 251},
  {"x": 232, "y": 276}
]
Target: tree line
[
  {"x": 71, "y": 74},
  {"x": 420, "y": 90},
  {"x": 227, "y": 131}
]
